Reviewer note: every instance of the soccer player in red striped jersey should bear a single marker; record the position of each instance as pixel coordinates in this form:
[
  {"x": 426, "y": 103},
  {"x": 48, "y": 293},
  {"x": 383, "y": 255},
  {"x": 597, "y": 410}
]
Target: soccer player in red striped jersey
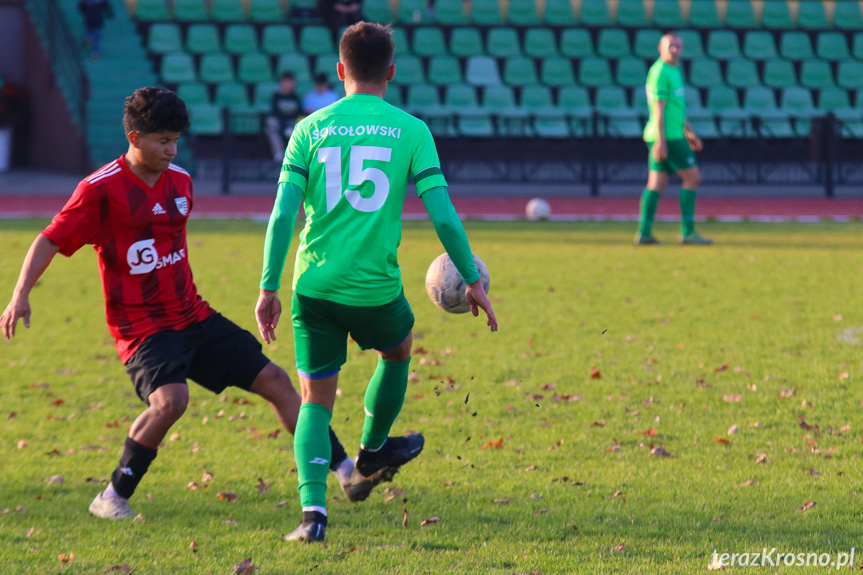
[{"x": 134, "y": 212}]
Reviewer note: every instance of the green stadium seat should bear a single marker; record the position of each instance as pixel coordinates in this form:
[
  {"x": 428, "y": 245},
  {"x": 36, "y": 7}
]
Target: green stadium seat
[
  {"x": 216, "y": 69},
  {"x": 812, "y": 16},
  {"x": 740, "y": 14},
  {"x": 378, "y": 11},
  {"x": 722, "y": 98},
  {"x": 816, "y": 74},
  {"x": 723, "y": 45},
  {"x": 523, "y": 13},
  {"x": 742, "y": 74},
  {"x": 639, "y": 101},
  {"x": 540, "y": 43},
  {"x": 511, "y": 120},
  {"x": 831, "y": 99},
  {"x": 704, "y": 124},
  {"x": 409, "y": 70},
  {"x": 847, "y": 16},
  {"x": 262, "y": 95},
  {"x": 278, "y": 39},
  {"x": 475, "y": 123},
  {"x": 832, "y": 46},
  {"x": 267, "y": 11},
  {"x": 413, "y": 11},
  {"x": 206, "y": 120},
  {"x": 850, "y": 122},
  {"x": 693, "y": 98},
  {"x": 646, "y": 44},
  {"x": 630, "y": 13},
  {"x": 797, "y": 101},
  {"x": 594, "y": 71},
  {"x": 228, "y": 11},
  {"x": 759, "y": 45},
  {"x": 667, "y": 14},
  {"x": 519, "y": 71},
  {"x": 254, "y": 68},
  {"x": 296, "y": 64},
  {"x": 326, "y": 64},
  {"x": 758, "y": 99},
  {"x": 400, "y": 40},
  {"x": 774, "y": 124},
  {"x": 624, "y": 123},
  {"x": 232, "y": 95},
  {"x": 465, "y": 42},
  {"x": 152, "y": 10},
  {"x": 556, "y": 71},
  {"x": 445, "y": 70},
  {"x": 795, "y": 46},
  {"x": 857, "y": 46},
  {"x": 850, "y": 75},
  {"x": 631, "y": 73},
  {"x": 486, "y": 12},
  {"x": 421, "y": 97},
  {"x": 559, "y": 13},
  {"x": 705, "y": 73},
  {"x": 191, "y": 10},
  {"x": 316, "y": 40},
  {"x": 164, "y": 37},
  {"x": 703, "y": 14},
  {"x": 177, "y": 67},
  {"x": 776, "y": 15},
  {"x": 779, "y": 74},
  {"x": 595, "y": 13},
  {"x": 240, "y": 39},
  {"x": 576, "y": 43},
  {"x": 613, "y": 43},
  {"x": 550, "y": 123},
  {"x": 610, "y": 98},
  {"x": 498, "y": 98},
  {"x": 503, "y": 42},
  {"x": 536, "y": 98},
  {"x": 202, "y": 39},
  {"x": 394, "y": 97},
  {"x": 429, "y": 42},
  {"x": 193, "y": 93},
  {"x": 450, "y": 12},
  {"x": 693, "y": 47},
  {"x": 481, "y": 71},
  {"x": 460, "y": 96},
  {"x": 575, "y": 100}
]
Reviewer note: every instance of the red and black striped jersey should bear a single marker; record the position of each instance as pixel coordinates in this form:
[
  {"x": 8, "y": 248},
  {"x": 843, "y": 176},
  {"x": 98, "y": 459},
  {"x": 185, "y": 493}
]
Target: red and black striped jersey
[{"x": 139, "y": 234}]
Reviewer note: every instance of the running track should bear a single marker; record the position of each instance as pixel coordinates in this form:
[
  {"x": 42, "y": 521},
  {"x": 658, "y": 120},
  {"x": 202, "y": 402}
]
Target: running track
[{"x": 509, "y": 208}]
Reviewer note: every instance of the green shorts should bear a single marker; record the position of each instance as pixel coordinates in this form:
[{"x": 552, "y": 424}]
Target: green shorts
[
  {"x": 679, "y": 157},
  {"x": 321, "y": 329}
]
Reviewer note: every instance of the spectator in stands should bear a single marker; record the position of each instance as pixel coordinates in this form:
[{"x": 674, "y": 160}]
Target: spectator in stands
[
  {"x": 94, "y": 12},
  {"x": 285, "y": 110},
  {"x": 321, "y": 97},
  {"x": 340, "y": 13}
]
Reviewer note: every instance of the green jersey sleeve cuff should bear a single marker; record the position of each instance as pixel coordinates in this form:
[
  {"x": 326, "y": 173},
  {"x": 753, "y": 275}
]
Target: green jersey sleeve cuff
[
  {"x": 294, "y": 174},
  {"x": 429, "y": 178}
]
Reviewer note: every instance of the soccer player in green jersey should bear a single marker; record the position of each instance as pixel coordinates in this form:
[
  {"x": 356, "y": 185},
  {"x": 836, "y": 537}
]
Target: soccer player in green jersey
[
  {"x": 348, "y": 164},
  {"x": 672, "y": 144}
]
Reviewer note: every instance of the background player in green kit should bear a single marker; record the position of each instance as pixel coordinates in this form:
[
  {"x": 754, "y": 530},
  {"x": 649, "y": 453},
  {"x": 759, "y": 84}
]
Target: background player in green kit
[
  {"x": 672, "y": 144},
  {"x": 348, "y": 164}
]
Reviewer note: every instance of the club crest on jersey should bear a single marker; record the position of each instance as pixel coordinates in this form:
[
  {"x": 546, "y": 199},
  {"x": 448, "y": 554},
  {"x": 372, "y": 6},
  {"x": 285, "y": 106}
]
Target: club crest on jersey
[
  {"x": 143, "y": 258},
  {"x": 182, "y": 205}
]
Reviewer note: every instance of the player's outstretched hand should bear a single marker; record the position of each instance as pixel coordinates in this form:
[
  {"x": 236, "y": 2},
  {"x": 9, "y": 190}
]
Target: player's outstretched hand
[
  {"x": 478, "y": 299},
  {"x": 17, "y": 309},
  {"x": 268, "y": 311}
]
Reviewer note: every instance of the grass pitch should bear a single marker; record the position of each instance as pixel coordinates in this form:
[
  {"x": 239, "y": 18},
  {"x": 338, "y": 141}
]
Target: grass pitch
[{"x": 739, "y": 360}]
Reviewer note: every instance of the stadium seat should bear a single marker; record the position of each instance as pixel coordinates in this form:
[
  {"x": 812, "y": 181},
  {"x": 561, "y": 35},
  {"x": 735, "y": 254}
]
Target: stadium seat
[
  {"x": 475, "y": 123},
  {"x": 409, "y": 70},
  {"x": 774, "y": 124},
  {"x": 227, "y": 11},
  {"x": 444, "y": 70},
  {"x": 559, "y": 13},
  {"x": 850, "y": 75},
  {"x": 723, "y": 45},
  {"x": 540, "y": 43},
  {"x": 278, "y": 39},
  {"x": 523, "y": 13},
  {"x": 254, "y": 68},
  {"x": 326, "y": 64},
  {"x": 193, "y": 93},
  {"x": 465, "y": 42},
  {"x": 378, "y": 11},
  {"x": 624, "y": 123},
  {"x": 202, "y": 38},
  {"x": 576, "y": 43},
  {"x": 164, "y": 37},
  {"x": 646, "y": 44},
  {"x": 316, "y": 40},
  {"x": 759, "y": 45},
  {"x": 481, "y": 71},
  {"x": 613, "y": 43},
  {"x": 776, "y": 15},
  {"x": 704, "y": 124},
  {"x": 191, "y": 10},
  {"x": 703, "y": 14},
  {"x": 693, "y": 98},
  {"x": 262, "y": 95},
  {"x": 740, "y": 14},
  {"x": 610, "y": 98},
  {"x": 816, "y": 74},
  {"x": 594, "y": 71},
  {"x": 550, "y": 123},
  {"x": 639, "y": 101},
  {"x": 422, "y": 96},
  {"x": 511, "y": 119},
  {"x": 722, "y": 98},
  {"x": 460, "y": 96},
  {"x": 831, "y": 99},
  {"x": 742, "y": 74},
  {"x": 797, "y": 101},
  {"x": 450, "y": 12},
  {"x": 850, "y": 122},
  {"x": 519, "y": 71},
  {"x": 758, "y": 99},
  {"x": 631, "y": 72},
  {"x": 394, "y": 97},
  {"x": 535, "y": 98},
  {"x": 498, "y": 98},
  {"x": 240, "y": 39},
  {"x": 206, "y": 120},
  {"x": 177, "y": 67},
  {"x": 486, "y": 12},
  {"x": 152, "y": 10},
  {"x": 595, "y": 13},
  {"x": 705, "y": 73},
  {"x": 779, "y": 74},
  {"x": 400, "y": 40},
  {"x": 847, "y": 16},
  {"x": 795, "y": 46},
  {"x": 216, "y": 69},
  {"x": 812, "y": 16},
  {"x": 832, "y": 46},
  {"x": 556, "y": 71},
  {"x": 857, "y": 46},
  {"x": 413, "y": 11},
  {"x": 296, "y": 64},
  {"x": 503, "y": 42},
  {"x": 267, "y": 11},
  {"x": 667, "y": 14},
  {"x": 693, "y": 47},
  {"x": 429, "y": 42},
  {"x": 630, "y": 13},
  {"x": 575, "y": 100},
  {"x": 232, "y": 95}
]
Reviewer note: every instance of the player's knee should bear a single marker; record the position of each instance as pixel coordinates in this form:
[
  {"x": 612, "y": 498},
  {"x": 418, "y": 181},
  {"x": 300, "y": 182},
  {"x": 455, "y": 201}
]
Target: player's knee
[
  {"x": 171, "y": 405},
  {"x": 402, "y": 352},
  {"x": 693, "y": 180}
]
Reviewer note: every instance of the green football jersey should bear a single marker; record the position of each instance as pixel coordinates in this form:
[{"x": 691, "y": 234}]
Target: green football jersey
[
  {"x": 352, "y": 160},
  {"x": 664, "y": 82}
]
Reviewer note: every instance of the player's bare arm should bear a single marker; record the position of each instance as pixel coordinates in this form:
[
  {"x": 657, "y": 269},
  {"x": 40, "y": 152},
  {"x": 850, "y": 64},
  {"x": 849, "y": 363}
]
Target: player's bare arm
[
  {"x": 660, "y": 148},
  {"x": 268, "y": 310},
  {"x": 41, "y": 252}
]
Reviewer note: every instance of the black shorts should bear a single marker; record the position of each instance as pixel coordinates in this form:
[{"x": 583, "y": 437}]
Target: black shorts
[{"x": 215, "y": 353}]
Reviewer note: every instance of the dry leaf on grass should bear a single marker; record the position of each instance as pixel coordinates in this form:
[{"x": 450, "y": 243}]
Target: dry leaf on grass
[
  {"x": 58, "y": 479},
  {"x": 429, "y": 521},
  {"x": 492, "y": 443},
  {"x": 66, "y": 557},
  {"x": 732, "y": 398},
  {"x": 595, "y": 373},
  {"x": 748, "y": 482},
  {"x": 262, "y": 487},
  {"x": 618, "y": 548},
  {"x": 22, "y": 444},
  {"x": 225, "y": 496},
  {"x": 715, "y": 563},
  {"x": 660, "y": 451},
  {"x": 193, "y": 486},
  {"x": 351, "y": 550},
  {"x": 125, "y": 568},
  {"x": 245, "y": 567},
  {"x": 139, "y": 519},
  {"x": 732, "y": 430},
  {"x": 806, "y": 506}
]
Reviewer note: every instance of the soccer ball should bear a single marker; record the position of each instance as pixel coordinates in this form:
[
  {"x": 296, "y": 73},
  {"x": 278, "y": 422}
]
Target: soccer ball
[
  {"x": 445, "y": 286},
  {"x": 538, "y": 209}
]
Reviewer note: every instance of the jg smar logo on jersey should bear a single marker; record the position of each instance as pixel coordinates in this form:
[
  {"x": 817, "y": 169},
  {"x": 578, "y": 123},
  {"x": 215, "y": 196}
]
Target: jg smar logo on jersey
[{"x": 143, "y": 258}]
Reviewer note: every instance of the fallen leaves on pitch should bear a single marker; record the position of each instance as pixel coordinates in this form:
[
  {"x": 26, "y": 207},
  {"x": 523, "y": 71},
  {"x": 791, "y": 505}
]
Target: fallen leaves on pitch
[
  {"x": 760, "y": 458},
  {"x": 806, "y": 506},
  {"x": 245, "y": 567},
  {"x": 206, "y": 477},
  {"x": 429, "y": 521},
  {"x": 66, "y": 557},
  {"x": 715, "y": 563},
  {"x": 500, "y": 500},
  {"x": 351, "y": 550},
  {"x": 732, "y": 430},
  {"x": 192, "y": 486},
  {"x": 55, "y": 479},
  {"x": 723, "y": 440},
  {"x": 262, "y": 486},
  {"x": 649, "y": 432},
  {"x": 595, "y": 373},
  {"x": 493, "y": 443},
  {"x": 22, "y": 444},
  {"x": 618, "y": 548},
  {"x": 748, "y": 483},
  {"x": 125, "y": 568},
  {"x": 660, "y": 451},
  {"x": 226, "y": 496},
  {"x": 733, "y": 397}
]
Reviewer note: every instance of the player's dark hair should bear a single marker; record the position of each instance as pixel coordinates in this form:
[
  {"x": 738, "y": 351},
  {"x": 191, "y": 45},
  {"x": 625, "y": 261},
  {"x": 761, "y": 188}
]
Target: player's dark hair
[
  {"x": 150, "y": 110},
  {"x": 366, "y": 51}
]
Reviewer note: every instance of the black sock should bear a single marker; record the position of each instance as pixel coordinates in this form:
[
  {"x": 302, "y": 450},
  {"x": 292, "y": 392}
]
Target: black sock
[
  {"x": 134, "y": 463},
  {"x": 337, "y": 451},
  {"x": 314, "y": 517}
]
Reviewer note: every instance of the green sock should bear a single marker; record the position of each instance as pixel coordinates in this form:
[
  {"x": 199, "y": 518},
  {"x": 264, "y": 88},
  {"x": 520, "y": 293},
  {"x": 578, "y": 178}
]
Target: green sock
[
  {"x": 384, "y": 398},
  {"x": 649, "y": 201},
  {"x": 687, "y": 212},
  {"x": 312, "y": 453}
]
